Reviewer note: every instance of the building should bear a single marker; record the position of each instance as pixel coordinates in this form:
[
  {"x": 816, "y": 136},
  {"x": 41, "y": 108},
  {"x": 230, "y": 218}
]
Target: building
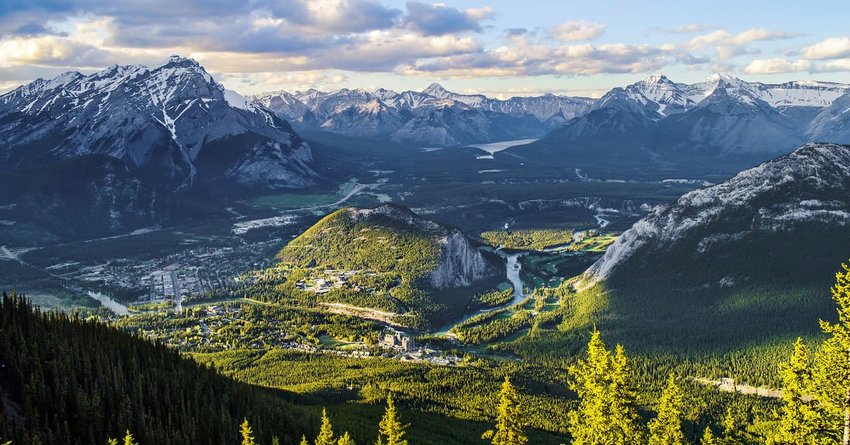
[{"x": 392, "y": 339}]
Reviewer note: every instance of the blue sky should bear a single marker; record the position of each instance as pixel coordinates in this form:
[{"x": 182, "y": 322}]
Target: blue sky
[{"x": 498, "y": 47}]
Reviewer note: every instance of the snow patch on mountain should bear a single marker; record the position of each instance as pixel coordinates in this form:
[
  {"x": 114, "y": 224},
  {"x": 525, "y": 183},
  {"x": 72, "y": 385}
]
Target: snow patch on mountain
[{"x": 810, "y": 185}]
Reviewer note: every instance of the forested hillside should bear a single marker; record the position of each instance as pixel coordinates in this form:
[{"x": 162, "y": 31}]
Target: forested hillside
[{"x": 65, "y": 380}]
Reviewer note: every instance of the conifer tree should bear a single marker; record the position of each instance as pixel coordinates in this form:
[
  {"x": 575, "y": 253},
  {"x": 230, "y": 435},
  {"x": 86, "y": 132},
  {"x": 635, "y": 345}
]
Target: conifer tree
[
  {"x": 326, "y": 433},
  {"x": 801, "y": 420},
  {"x": 128, "y": 439},
  {"x": 391, "y": 431},
  {"x": 832, "y": 374},
  {"x": 607, "y": 409},
  {"x": 623, "y": 398},
  {"x": 345, "y": 439},
  {"x": 303, "y": 440},
  {"x": 708, "y": 438},
  {"x": 275, "y": 440},
  {"x": 247, "y": 433},
  {"x": 110, "y": 441},
  {"x": 666, "y": 429},
  {"x": 509, "y": 422}
]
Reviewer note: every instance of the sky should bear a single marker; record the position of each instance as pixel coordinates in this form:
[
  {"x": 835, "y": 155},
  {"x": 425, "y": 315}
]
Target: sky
[{"x": 501, "y": 48}]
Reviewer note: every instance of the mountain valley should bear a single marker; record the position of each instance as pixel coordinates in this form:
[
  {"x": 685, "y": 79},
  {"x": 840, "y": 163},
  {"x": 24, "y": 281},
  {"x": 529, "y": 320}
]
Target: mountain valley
[{"x": 308, "y": 250}]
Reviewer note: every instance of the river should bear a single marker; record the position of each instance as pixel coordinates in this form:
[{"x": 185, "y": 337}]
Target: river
[
  {"x": 107, "y": 302},
  {"x": 512, "y": 272}
]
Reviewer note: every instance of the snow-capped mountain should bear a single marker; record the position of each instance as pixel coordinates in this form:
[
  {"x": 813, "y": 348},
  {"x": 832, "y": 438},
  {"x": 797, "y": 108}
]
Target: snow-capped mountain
[
  {"x": 419, "y": 117},
  {"x": 456, "y": 124},
  {"x": 833, "y": 122},
  {"x": 130, "y": 146},
  {"x": 722, "y": 115},
  {"x": 173, "y": 125},
  {"x": 718, "y": 236}
]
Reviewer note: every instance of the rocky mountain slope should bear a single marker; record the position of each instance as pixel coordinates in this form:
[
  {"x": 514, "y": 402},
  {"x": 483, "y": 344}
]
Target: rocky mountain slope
[
  {"x": 141, "y": 133},
  {"x": 799, "y": 193},
  {"x": 434, "y": 116},
  {"x": 392, "y": 260},
  {"x": 748, "y": 260},
  {"x": 172, "y": 125},
  {"x": 833, "y": 122}
]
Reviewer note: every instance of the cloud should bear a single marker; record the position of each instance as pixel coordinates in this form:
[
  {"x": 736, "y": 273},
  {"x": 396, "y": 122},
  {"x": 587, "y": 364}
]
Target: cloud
[
  {"x": 337, "y": 16},
  {"x": 533, "y": 59},
  {"x": 838, "y": 65},
  {"x": 691, "y": 28},
  {"x": 256, "y": 83},
  {"x": 577, "y": 30},
  {"x": 728, "y": 45},
  {"x": 831, "y": 48},
  {"x": 777, "y": 66},
  {"x": 439, "y": 19}
]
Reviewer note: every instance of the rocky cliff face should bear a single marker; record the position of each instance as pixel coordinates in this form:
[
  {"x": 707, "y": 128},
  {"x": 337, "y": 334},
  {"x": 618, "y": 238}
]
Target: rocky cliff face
[
  {"x": 804, "y": 195},
  {"x": 460, "y": 263}
]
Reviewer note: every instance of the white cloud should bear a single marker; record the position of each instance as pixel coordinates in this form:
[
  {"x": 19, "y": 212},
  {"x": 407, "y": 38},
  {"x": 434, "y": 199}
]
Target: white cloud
[
  {"x": 831, "y": 48},
  {"x": 728, "y": 45},
  {"x": 578, "y": 30},
  {"x": 777, "y": 66},
  {"x": 838, "y": 65},
  {"x": 692, "y": 28}
]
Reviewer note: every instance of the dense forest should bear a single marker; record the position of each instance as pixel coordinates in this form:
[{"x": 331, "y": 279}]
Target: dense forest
[
  {"x": 73, "y": 381},
  {"x": 58, "y": 388}
]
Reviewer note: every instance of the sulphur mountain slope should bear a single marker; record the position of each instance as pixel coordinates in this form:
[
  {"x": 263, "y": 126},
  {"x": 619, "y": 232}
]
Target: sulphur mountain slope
[{"x": 751, "y": 257}]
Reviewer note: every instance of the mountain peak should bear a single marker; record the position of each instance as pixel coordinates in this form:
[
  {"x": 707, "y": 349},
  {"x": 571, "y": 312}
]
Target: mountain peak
[
  {"x": 656, "y": 79},
  {"x": 436, "y": 90},
  {"x": 177, "y": 60},
  {"x": 723, "y": 77}
]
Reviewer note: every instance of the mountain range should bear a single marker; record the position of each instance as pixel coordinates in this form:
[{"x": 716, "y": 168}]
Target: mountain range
[
  {"x": 112, "y": 148},
  {"x": 434, "y": 116},
  {"x": 722, "y": 116}
]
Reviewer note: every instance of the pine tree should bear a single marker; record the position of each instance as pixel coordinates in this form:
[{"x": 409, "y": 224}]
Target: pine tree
[
  {"x": 666, "y": 429},
  {"x": 128, "y": 439},
  {"x": 607, "y": 404},
  {"x": 623, "y": 398},
  {"x": 110, "y": 441},
  {"x": 275, "y": 440},
  {"x": 832, "y": 377},
  {"x": 303, "y": 440},
  {"x": 708, "y": 438},
  {"x": 509, "y": 422},
  {"x": 345, "y": 439},
  {"x": 391, "y": 431},
  {"x": 247, "y": 433},
  {"x": 801, "y": 420},
  {"x": 326, "y": 433}
]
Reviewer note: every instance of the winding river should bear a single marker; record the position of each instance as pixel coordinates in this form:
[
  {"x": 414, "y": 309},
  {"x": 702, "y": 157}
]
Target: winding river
[
  {"x": 107, "y": 302},
  {"x": 512, "y": 271}
]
